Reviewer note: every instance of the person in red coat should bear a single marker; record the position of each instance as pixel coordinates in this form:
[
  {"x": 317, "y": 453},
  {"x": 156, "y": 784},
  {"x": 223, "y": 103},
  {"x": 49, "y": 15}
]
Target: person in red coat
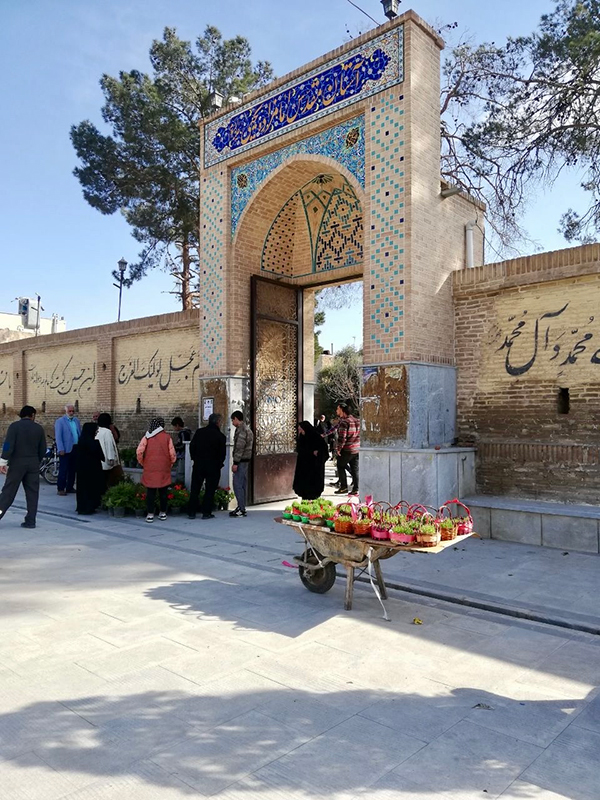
[{"x": 157, "y": 455}]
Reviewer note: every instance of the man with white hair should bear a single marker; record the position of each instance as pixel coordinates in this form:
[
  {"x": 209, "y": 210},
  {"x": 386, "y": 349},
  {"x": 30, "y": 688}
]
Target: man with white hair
[{"x": 67, "y": 430}]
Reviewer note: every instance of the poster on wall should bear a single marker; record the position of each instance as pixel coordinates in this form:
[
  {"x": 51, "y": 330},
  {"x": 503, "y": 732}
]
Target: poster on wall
[{"x": 208, "y": 404}]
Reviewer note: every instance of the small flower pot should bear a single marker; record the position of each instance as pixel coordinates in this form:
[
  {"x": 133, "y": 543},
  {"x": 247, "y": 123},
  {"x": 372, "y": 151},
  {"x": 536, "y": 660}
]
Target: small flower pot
[
  {"x": 175, "y": 511},
  {"x": 110, "y": 512},
  {"x": 296, "y": 517},
  {"x": 118, "y": 511},
  {"x": 286, "y": 515},
  {"x": 140, "y": 512},
  {"x": 305, "y": 520}
]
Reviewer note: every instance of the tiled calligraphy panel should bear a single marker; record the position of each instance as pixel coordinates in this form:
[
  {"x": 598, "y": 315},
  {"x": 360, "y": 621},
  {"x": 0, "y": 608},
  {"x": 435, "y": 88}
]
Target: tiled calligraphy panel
[
  {"x": 345, "y": 143},
  {"x": 356, "y": 74},
  {"x": 384, "y": 275}
]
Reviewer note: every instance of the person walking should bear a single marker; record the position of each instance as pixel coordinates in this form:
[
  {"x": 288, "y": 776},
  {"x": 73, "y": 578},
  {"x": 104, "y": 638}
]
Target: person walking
[
  {"x": 22, "y": 452},
  {"x": 67, "y": 430},
  {"x": 111, "y": 464},
  {"x": 321, "y": 426},
  {"x": 184, "y": 435},
  {"x": 90, "y": 477},
  {"x": 208, "y": 449},
  {"x": 157, "y": 455},
  {"x": 348, "y": 445},
  {"x": 309, "y": 477},
  {"x": 243, "y": 441}
]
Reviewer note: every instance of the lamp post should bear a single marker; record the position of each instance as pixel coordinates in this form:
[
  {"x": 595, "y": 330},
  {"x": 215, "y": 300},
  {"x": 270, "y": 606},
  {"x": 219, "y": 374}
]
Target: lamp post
[
  {"x": 390, "y": 8},
  {"x": 122, "y": 264}
]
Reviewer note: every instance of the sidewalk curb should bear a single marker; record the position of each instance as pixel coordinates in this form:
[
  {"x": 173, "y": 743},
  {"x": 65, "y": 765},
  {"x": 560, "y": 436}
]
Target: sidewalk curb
[{"x": 496, "y": 608}]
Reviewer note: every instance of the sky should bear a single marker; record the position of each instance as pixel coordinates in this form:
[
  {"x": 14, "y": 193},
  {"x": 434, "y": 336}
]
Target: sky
[{"x": 52, "y": 55}]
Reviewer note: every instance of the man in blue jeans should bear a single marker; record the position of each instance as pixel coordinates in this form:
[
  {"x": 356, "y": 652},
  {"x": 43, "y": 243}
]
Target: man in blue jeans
[{"x": 67, "y": 430}]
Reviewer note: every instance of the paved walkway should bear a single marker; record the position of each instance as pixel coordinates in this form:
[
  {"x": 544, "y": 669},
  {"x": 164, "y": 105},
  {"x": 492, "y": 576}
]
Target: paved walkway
[{"x": 181, "y": 659}]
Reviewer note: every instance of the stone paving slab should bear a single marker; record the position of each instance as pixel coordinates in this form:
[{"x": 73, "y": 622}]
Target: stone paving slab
[{"x": 183, "y": 660}]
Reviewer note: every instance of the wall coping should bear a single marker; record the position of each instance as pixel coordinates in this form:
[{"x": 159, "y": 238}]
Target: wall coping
[
  {"x": 527, "y": 270},
  {"x": 129, "y": 327},
  {"x": 522, "y": 504},
  {"x": 421, "y": 450}
]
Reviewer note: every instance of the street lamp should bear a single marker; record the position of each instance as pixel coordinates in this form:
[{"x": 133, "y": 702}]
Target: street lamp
[
  {"x": 122, "y": 264},
  {"x": 390, "y": 8}
]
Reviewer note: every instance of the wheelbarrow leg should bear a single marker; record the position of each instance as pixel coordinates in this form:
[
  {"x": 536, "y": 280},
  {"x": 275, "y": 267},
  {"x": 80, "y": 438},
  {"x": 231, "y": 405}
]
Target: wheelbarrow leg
[
  {"x": 379, "y": 577},
  {"x": 349, "y": 588}
]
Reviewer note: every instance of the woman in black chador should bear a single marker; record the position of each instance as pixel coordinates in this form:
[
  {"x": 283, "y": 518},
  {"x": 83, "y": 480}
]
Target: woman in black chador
[
  {"x": 309, "y": 478},
  {"x": 90, "y": 480}
]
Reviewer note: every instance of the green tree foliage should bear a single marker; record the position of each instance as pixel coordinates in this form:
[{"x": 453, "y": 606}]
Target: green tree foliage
[
  {"x": 148, "y": 167},
  {"x": 513, "y": 116},
  {"x": 318, "y": 320},
  {"x": 340, "y": 382}
]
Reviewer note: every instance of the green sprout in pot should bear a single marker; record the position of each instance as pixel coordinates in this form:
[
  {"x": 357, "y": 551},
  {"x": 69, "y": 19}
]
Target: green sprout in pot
[
  {"x": 428, "y": 529},
  {"x": 447, "y": 524}
]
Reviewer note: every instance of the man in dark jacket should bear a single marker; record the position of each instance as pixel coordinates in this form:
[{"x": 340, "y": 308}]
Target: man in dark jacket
[
  {"x": 22, "y": 452},
  {"x": 207, "y": 451}
]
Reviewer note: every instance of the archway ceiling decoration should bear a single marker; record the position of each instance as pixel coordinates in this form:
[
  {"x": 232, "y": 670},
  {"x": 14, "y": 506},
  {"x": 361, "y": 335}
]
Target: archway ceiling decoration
[{"x": 318, "y": 229}]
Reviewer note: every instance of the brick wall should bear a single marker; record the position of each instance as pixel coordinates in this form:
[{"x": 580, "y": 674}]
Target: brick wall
[
  {"x": 134, "y": 370},
  {"x": 528, "y": 357}
]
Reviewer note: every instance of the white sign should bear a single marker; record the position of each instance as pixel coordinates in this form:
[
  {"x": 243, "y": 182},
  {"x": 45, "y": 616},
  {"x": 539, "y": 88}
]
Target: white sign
[{"x": 208, "y": 405}]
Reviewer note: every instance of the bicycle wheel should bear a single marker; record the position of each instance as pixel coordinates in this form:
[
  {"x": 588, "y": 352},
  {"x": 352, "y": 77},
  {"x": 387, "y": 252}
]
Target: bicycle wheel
[{"x": 50, "y": 473}]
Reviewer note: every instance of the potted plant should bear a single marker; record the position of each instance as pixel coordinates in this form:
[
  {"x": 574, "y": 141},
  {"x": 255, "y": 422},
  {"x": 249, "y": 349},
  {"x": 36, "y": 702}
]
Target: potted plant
[
  {"x": 447, "y": 529},
  {"x": 343, "y": 523},
  {"x": 140, "y": 500},
  {"x": 403, "y": 533},
  {"x": 128, "y": 456},
  {"x": 296, "y": 510},
  {"x": 304, "y": 512},
  {"x": 287, "y": 512},
  {"x": 315, "y": 514},
  {"x": 223, "y": 497},
  {"x": 121, "y": 498},
  {"x": 427, "y": 535},
  {"x": 178, "y": 498}
]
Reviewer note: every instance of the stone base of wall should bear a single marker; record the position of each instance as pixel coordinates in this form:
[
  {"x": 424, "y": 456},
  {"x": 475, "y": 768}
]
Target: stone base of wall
[
  {"x": 418, "y": 476},
  {"x": 546, "y": 524}
]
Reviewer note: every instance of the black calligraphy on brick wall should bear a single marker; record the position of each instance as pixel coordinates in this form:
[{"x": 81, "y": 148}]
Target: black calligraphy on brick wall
[
  {"x": 556, "y": 338},
  {"x": 161, "y": 371},
  {"x": 64, "y": 377}
]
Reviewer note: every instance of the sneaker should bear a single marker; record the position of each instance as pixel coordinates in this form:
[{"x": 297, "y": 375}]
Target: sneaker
[
  {"x": 62, "y": 492},
  {"x": 162, "y": 516},
  {"x": 341, "y": 491},
  {"x": 150, "y": 518},
  {"x": 208, "y": 516},
  {"x": 237, "y": 513},
  {"x": 28, "y": 524},
  {"x": 335, "y": 485}
]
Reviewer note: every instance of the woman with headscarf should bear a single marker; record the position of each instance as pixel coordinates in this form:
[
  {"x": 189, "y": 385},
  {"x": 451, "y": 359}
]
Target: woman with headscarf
[
  {"x": 309, "y": 478},
  {"x": 113, "y": 471},
  {"x": 156, "y": 454},
  {"x": 90, "y": 480}
]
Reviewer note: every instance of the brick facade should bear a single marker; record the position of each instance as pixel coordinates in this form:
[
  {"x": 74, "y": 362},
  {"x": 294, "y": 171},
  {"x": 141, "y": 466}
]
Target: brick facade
[
  {"x": 528, "y": 358},
  {"x": 135, "y": 370}
]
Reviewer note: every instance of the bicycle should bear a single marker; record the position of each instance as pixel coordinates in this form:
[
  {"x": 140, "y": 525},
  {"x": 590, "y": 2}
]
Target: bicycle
[{"x": 49, "y": 464}]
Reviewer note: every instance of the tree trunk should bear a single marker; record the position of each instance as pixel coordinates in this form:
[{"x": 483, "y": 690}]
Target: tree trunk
[{"x": 186, "y": 277}]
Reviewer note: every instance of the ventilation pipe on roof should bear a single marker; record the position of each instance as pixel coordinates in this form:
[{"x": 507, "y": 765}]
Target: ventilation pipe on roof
[{"x": 469, "y": 228}]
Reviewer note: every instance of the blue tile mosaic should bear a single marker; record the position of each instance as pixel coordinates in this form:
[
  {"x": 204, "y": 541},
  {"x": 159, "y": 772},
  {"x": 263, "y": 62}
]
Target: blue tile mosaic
[
  {"x": 357, "y": 74},
  {"x": 345, "y": 143}
]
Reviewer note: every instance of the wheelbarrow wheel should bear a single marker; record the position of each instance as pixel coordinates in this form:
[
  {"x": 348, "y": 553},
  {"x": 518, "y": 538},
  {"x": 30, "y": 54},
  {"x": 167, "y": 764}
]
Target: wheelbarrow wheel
[{"x": 318, "y": 580}]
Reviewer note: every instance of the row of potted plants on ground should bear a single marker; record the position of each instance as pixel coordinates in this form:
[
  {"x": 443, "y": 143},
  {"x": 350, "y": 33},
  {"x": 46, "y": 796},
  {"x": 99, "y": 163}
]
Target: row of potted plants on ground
[
  {"x": 128, "y": 497},
  {"x": 403, "y": 524}
]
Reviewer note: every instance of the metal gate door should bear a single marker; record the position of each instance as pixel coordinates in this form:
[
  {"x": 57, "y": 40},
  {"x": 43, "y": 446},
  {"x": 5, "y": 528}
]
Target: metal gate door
[{"x": 276, "y": 386}]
